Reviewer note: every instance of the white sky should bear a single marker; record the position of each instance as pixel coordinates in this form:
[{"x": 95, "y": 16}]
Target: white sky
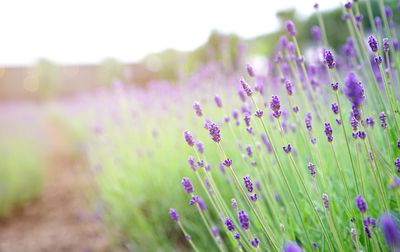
[{"x": 87, "y": 31}]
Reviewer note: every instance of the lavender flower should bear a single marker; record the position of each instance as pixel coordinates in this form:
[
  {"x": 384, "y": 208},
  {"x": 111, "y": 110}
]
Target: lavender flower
[
  {"x": 250, "y": 70},
  {"x": 187, "y": 185},
  {"x": 398, "y": 144},
  {"x": 192, "y": 163},
  {"x": 259, "y": 113},
  {"x": 255, "y": 242},
  {"x": 197, "y": 109},
  {"x": 361, "y": 203},
  {"x": 335, "y": 86},
  {"x": 368, "y": 223},
  {"x": 354, "y": 89},
  {"x": 253, "y": 197},
  {"x": 385, "y": 44},
  {"x": 373, "y": 43},
  {"x": 348, "y": 5},
  {"x": 188, "y": 137},
  {"x": 361, "y": 134},
  {"x": 275, "y": 105},
  {"x": 307, "y": 121},
  {"x": 287, "y": 148},
  {"x": 246, "y": 87},
  {"x": 244, "y": 219},
  {"x": 378, "y": 60},
  {"x": 295, "y": 109},
  {"x": 328, "y": 132},
  {"x": 289, "y": 87},
  {"x": 199, "y": 146},
  {"x": 234, "y": 204},
  {"x": 335, "y": 108},
  {"x": 227, "y": 162},
  {"x": 329, "y": 59},
  {"x": 354, "y": 123},
  {"x": 248, "y": 184},
  {"x": 236, "y": 236},
  {"x": 325, "y": 200},
  {"x": 290, "y": 27},
  {"x": 397, "y": 164},
  {"x": 311, "y": 167},
  {"x": 283, "y": 41},
  {"x": 229, "y": 224},
  {"x": 214, "y": 132},
  {"x": 173, "y": 214},
  {"x": 292, "y": 247},
  {"x": 218, "y": 101},
  {"x": 242, "y": 95},
  {"x": 249, "y": 151},
  {"x": 316, "y": 33},
  {"x": 246, "y": 119},
  {"x": 370, "y": 121},
  {"x": 390, "y": 229},
  {"x": 382, "y": 117}
]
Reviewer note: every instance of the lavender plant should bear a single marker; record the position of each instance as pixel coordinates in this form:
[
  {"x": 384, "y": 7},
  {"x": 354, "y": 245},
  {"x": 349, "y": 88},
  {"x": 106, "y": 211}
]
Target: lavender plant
[{"x": 326, "y": 178}]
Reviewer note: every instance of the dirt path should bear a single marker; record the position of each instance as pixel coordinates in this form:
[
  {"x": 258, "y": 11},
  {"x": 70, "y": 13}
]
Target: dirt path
[{"x": 60, "y": 220}]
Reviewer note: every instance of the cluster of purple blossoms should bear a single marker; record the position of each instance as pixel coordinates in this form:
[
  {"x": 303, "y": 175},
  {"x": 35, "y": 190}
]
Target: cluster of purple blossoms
[
  {"x": 290, "y": 27},
  {"x": 369, "y": 223},
  {"x": 361, "y": 203},
  {"x": 246, "y": 119},
  {"x": 199, "y": 146},
  {"x": 390, "y": 229},
  {"x": 370, "y": 121},
  {"x": 229, "y": 224},
  {"x": 316, "y": 33},
  {"x": 325, "y": 200},
  {"x": 397, "y": 164},
  {"x": 382, "y": 118},
  {"x": 188, "y": 137},
  {"x": 255, "y": 242},
  {"x": 289, "y": 87},
  {"x": 227, "y": 162},
  {"x": 246, "y": 87},
  {"x": 335, "y": 86},
  {"x": 373, "y": 43},
  {"x": 242, "y": 95},
  {"x": 353, "y": 89},
  {"x": 311, "y": 167},
  {"x": 244, "y": 219},
  {"x": 328, "y": 132},
  {"x": 187, "y": 185},
  {"x": 192, "y": 163},
  {"x": 197, "y": 109},
  {"x": 292, "y": 247},
  {"x": 275, "y": 106},
  {"x": 249, "y": 151},
  {"x": 353, "y": 123},
  {"x": 287, "y": 148},
  {"x": 361, "y": 134},
  {"x": 214, "y": 132},
  {"x": 248, "y": 184},
  {"x": 335, "y": 108},
  {"x": 196, "y": 199},
  {"x": 385, "y": 44},
  {"x": 329, "y": 60},
  {"x": 250, "y": 70},
  {"x": 174, "y": 214},
  {"x": 259, "y": 113},
  {"x": 307, "y": 121},
  {"x": 234, "y": 204},
  {"x": 348, "y": 5},
  {"x": 378, "y": 59},
  {"x": 218, "y": 101}
]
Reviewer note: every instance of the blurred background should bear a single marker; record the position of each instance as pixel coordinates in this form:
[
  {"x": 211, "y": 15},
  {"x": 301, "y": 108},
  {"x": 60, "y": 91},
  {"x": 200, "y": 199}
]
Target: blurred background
[{"x": 68, "y": 69}]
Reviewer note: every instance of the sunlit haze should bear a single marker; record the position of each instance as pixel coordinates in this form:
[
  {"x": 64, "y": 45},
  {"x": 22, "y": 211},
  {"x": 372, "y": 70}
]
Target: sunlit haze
[{"x": 77, "y": 31}]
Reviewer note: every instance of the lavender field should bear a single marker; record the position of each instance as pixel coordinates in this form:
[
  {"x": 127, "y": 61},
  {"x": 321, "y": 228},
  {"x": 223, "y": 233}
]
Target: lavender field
[{"x": 297, "y": 150}]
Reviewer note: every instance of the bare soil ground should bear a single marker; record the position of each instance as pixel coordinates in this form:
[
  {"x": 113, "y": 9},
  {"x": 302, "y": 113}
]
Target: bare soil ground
[{"x": 60, "y": 219}]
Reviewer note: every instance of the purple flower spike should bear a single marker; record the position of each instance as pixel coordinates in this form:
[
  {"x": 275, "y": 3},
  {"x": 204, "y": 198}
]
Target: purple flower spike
[
  {"x": 236, "y": 236},
  {"x": 328, "y": 132},
  {"x": 390, "y": 229},
  {"x": 201, "y": 203},
  {"x": 335, "y": 108},
  {"x": 290, "y": 27},
  {"x": 287, "y": 148},
  {"x": 174, "y": 214},
  {"x": 188, "y": 137},
  {"x": 229, "y": 224},
  {"x": 373, "y": 43},
  {"x": 244, "y": 219},
  {"x": 311, "y": 167},
  {"x": 361, "y": 203},
  {"x": 250, "y": 70},
  {"x": 354, "y": 89},
  {"x": 316, "y": 33},
  {"x": 362, "y": 134},
  {"x": 246, "y": 87},
  {"x": 259, "y": 113},
  {"x": 214, "y": 132},
  {"x": 197, "y": 109},
  {"x": 325, "y": 200},
  {"x": 249, "y": 151},
  {"x": 218, "y": 101},
  {"x": 378, "y": 60},
  {"x": 382, "y": 118},
  {"x": 227, "y": 162},
  {"x": 388, "y": 11},
  {"x": 370, "y": 121},
  {"x": 248, "y": 184},
  {"x": 397, "y": 164},
  {"x": 385, "y": 44},
  {"x": 292, "y": 247},
  {"x": 307, "y": 121},
  {"x": 398, "y": 144},
  {"x": 199, "y": 146},
  {"x": 187, "y": 185},
  {"x": 255, "y": 242},
  {"x": 335, "y": 86},
  {"x": 329, "y": 59},
  {"x": 296, "y": 109},
  {"x": 348, "y": 5},
  {"x": 242, "y": 95},
  {"x": 234, "y": 204},
  {"x": 192, "y": 163},
  {"x": 289, "y": 87}
]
